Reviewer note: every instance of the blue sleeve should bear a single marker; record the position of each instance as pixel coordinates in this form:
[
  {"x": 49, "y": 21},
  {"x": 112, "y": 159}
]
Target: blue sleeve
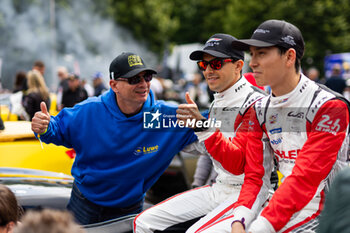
[
  {"x": 205, "y": 113},
  {"x": 58, "y": 131}
]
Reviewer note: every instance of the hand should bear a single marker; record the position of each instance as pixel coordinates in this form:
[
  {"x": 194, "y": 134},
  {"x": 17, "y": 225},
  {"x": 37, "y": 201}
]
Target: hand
[
  {"x": 237, "y": 227},
  {"x": 41, "y": 120},
  {"x": 188, "y": 111}
]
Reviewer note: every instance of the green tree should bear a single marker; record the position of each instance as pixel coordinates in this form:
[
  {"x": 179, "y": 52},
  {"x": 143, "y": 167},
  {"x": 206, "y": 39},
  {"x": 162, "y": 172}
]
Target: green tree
[
  {"x": 152, "y": 21},
  {"x": 325, "y": 24},
  {"x": 200, "y": 19}
]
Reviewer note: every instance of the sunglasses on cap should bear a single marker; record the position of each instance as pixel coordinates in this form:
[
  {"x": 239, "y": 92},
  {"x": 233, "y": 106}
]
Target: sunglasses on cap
[
  {"x": 215, "y": 64},
  {"x": 137, "y": 79}
]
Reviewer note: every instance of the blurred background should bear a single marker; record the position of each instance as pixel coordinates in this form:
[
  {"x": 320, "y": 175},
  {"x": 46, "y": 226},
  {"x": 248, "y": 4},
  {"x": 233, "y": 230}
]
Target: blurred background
[{"x": 86, "y": 35}]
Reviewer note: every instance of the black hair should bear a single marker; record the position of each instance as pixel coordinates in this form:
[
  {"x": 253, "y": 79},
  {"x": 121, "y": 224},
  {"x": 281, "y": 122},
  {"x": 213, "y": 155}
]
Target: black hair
[
  {"x": 297, "y": 63},
  {"x": 235, "y": 60}
]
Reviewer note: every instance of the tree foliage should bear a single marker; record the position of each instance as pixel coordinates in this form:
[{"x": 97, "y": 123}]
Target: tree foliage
[
  {"x": 151, "y": 20},
  {"x": 325, "y": 24}
]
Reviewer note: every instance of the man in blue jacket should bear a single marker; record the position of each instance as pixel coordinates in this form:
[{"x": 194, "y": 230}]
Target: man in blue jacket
[{"x": 124, "y": 140}]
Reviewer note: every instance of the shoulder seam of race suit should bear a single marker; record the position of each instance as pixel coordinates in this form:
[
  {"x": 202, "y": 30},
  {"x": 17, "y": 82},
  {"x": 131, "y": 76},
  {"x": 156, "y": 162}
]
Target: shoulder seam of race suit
[
  {"x": 261, "y": 111},
  {"x": 336, "y": 94},
  {"x": 252, "y": 97},
  {"x": 317, "y": 101}
]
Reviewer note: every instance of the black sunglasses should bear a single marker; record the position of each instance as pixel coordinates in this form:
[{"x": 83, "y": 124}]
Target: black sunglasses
[
  {"x": 216, "y": 63},
  {"x": 137, "y": 78}
]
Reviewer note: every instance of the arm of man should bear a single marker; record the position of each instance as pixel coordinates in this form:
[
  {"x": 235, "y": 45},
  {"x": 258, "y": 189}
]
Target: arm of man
[
  {"x": 47, "y": 128},
  {"x": 257, "y": 169},
  {"x": 313, "y": 164},
  {"x": 203, "y": 171},
  {"x": 230, "y": 153}
]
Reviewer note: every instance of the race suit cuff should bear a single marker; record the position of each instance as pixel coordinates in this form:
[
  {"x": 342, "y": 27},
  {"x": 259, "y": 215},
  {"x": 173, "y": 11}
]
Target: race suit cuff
[
  {"x": 261, "y": 225},
  {"x": 242, "y": 212},
  {"x": 204, "y": 135},
  {"x": 242, "y": 221}
]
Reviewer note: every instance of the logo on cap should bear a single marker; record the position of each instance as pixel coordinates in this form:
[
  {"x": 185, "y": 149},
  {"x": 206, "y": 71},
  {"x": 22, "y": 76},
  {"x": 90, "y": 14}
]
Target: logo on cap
[
  {"x": 213, "y": 42},
  {"x": 134, "y": 60},
  {"x": 289, "y": 40},
  {"x": 264, "y": 31}
]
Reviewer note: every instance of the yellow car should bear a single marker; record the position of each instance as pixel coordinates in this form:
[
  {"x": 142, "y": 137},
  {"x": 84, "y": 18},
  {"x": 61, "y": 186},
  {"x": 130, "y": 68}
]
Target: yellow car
[{"x": 20, "y": 149}]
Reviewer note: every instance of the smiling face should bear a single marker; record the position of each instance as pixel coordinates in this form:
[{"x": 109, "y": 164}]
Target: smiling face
[
  {"x": 222, "y": 79},
  {"x": 130, "y": 98}
]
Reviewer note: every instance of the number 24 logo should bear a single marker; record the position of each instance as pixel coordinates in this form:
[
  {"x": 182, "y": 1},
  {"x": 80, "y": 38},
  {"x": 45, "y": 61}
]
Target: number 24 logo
[{"x": 326, "y": 123}]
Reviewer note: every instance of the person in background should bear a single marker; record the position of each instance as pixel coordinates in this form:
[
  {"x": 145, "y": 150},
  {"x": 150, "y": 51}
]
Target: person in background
[
  {"x": 98, "y": 84},
  {"x": 16, "y": 97},
  {"x": 62, "y": 74},
  {"x": 89, "y": 89},
  {"x": 10, "y": 210},
  {"x": 205, "y": 173},
  {"x": 157, "y": 87},
  {"x": 37, "y": 92},
  {"x": 2, "y": 126},
  {"x": 75, "y": 92},
  {"x": 197, "y": 90},
  {"x": 39, "y": 66},
  {"x": 336, "y": 81},
  {"x": 20, "y": 82},
  {"x": 115, "y": 135},
  {"x": 48, "y": 221},
  {"x": 313, "y": 74},
  {"x": 346, "y": 73}
]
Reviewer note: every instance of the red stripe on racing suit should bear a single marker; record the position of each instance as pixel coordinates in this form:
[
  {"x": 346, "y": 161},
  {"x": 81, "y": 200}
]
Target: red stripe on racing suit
[
  {"x": 313, "y": 164},
  {"x": 231, "y": 154}
]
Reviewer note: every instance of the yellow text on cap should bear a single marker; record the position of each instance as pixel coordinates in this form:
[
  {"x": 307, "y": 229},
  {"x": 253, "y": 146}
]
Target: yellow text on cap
[{"x": 134, "y": 60}]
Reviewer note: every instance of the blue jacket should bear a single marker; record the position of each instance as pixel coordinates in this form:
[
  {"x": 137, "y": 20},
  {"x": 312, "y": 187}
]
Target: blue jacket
[{"x": 117, "y": 160}]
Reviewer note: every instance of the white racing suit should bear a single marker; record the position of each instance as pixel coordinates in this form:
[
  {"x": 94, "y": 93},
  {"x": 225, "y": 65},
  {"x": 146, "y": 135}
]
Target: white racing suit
[
  {"x": 308, "y": 131},
  {"x": 213, "y": 202}
]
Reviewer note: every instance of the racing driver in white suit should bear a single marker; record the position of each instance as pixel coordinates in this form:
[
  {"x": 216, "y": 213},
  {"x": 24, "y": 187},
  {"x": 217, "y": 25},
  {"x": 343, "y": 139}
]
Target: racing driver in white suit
[
  {"x": 221, "y": 66},
  {"x": 307, "y": 126}
]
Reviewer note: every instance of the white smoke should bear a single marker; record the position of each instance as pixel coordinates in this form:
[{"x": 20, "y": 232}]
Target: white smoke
[{"x": 82, "y": 38}]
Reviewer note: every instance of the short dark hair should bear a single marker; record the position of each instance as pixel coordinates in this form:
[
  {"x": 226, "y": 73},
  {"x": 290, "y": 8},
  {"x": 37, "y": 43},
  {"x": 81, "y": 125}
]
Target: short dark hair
[
  {"x": 297, "y": 63},
  {"x": 39, "y": 63}
]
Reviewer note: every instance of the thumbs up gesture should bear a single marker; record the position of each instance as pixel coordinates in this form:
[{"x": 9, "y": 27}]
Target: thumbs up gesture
[
  {"x": 188, "y": 99},
  {"x": 41, "y": 120},
  {"x": 188, "y": 111}
]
